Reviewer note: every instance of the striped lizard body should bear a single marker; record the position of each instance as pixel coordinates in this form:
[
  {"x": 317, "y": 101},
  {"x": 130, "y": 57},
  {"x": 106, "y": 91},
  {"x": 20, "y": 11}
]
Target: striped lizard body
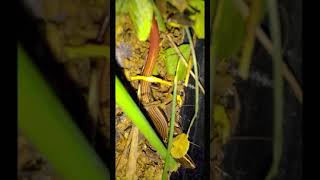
[{"x": 156, "y": 114}]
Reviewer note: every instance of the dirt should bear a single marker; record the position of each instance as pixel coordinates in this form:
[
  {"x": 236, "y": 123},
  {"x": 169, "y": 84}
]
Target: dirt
[
  {"x": 31, "y": 164},
  {"x": 149, "y": 163}
]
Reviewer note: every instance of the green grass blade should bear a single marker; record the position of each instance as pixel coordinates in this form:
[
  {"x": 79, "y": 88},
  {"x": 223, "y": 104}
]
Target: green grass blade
[
  {"x": 42, "y": 118},
  {"x": 126, "y": 103},
  {"x": 172, "y": 120}
]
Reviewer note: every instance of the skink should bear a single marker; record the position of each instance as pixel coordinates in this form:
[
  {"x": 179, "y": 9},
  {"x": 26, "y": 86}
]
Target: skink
[{"x": 156, "y": 114}]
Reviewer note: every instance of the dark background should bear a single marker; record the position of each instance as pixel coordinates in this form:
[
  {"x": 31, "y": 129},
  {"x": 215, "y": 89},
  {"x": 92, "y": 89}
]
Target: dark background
[
  {"x": 251, "y": 159},
  {"x": 198, "y": 131}
]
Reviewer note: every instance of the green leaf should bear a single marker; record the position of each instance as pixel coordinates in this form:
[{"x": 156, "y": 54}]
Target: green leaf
[
  {"x": 172, "y": 58},
  {"x": 121, "y": 6},
  {"x": 229, "y": 30},
  {"x": 45, "y": 122},
  {"x": 198, "y": 18},
  {"x": 141, "y": 14},
  {"x": 161, "y": 25}
]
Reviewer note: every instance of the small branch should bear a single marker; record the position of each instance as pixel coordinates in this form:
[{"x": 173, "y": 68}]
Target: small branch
[
  {"x": 103, "y": 28},
  {"x": 221, "y": 171},
  {"x": 132, "y": 161},
  {"x": 262, "y": 37},
  {"x": 119, "y": 165},
  {"x": 93, "y": 100},
  {"x": 197, "y": 82}
]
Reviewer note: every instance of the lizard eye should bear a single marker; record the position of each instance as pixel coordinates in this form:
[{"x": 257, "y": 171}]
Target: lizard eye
[{"x": 181, "y": 93}]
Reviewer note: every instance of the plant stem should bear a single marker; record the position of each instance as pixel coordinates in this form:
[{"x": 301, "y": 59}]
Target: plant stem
[
  {"x": 278, "y": 88},
  {"x": 252, "y": 24},
  {"x": 287, "y": 74},
  {"x": 172, "y": 120},
  {"x": 196, "y": 81}
]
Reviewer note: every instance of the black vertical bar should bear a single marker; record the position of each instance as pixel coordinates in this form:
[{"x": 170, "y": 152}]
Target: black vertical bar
[
  {"x": 207, "y": 87},
  {"x": 112, "y": 86}
]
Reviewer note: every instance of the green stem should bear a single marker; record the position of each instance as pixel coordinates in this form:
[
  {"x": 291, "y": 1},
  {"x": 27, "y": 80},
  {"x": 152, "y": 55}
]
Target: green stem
[
  {"x": 126, "y": 103},
  {"x": 252, "y": 24},
  {"x": 172, "y": 120},
  {"x": 195, "y": 67},
  {"x": 278, "y": 88},
  {"x": 43, "y": 119}
]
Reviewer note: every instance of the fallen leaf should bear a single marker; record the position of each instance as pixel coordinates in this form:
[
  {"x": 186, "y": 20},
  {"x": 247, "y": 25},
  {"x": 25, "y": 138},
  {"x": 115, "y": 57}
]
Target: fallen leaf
[{"x": 180, "y": 146}]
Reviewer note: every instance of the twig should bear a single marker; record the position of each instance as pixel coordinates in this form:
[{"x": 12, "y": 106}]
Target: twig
[
  {"x": 185, "y": 63},
  {"x": 132, "y": 161},
  {"x": 262, "y": 37},
  {"x": 93, "y": 101},
  {"x": 124, "y": 151},
  {"x": 197, "y": 82},
  {"x": 195, "y": 144},
  {"x": 221, "y": 171},
  {"x": 103, "y": 28}
]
